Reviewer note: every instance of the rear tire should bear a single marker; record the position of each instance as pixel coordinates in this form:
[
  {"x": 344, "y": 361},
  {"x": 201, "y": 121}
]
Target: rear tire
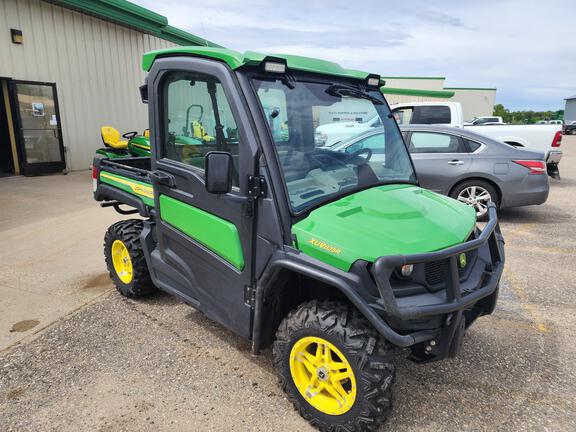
[
  {"x": 469, "y": 193},
  {"x": 125, "y": 259},
  {"x": 361, "y": 400}
]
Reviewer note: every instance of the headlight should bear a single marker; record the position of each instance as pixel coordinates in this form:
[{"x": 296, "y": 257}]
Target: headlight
[
  {"x": 406, "y": 270},
  {"x": 320, "y": 138}
]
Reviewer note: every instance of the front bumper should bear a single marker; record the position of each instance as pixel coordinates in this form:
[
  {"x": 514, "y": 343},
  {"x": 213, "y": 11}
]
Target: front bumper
[{"x": 452, "y": 308}]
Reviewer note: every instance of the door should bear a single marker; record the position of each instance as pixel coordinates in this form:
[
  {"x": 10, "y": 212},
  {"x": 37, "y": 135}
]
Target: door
[
  {"x": 39, "y": 130},
  {"x": 439, "y": 158},
  {"x": 7, "y": 145},
  {"x": 205, "y": 251}
]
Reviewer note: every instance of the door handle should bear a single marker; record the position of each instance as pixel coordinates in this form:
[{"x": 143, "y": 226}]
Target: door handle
[
  {"x": 455, "y": 162},
  {"x": 162, "y": 178}
]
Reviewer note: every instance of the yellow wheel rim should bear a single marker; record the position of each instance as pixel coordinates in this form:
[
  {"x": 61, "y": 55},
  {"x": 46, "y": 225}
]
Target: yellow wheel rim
[
  {"x": 121, "y": 261},
  {"x": 322, "y": 375}
]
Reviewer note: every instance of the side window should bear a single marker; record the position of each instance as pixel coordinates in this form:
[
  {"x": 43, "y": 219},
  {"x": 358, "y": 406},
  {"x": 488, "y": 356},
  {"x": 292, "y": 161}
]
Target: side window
[
  {"x": 472, "y": 145},
  {"x": 374, "y": 143},
  {"x": 197, "y": 120},
  {"x": 403, "y": 116},
  {"x": 354, "y": 147},
  {"x": 429, "y": 142},
  {"x": 274, "y": 104},
  {"x": 431, "y": 114}
]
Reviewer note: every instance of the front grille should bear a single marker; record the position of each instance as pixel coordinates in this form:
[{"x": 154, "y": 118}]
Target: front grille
[{"x": 435, "y": 272}]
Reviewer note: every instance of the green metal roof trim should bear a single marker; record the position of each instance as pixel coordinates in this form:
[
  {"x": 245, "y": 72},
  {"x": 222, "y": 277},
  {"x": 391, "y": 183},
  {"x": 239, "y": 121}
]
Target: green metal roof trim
[
  {"x": 414, "y": 78},
  {"x": 417, "y": 92},
  {"x": 128, "y": 14},
  {"x": 235, "y": 59},
  {"x": 470, "y": 88}
]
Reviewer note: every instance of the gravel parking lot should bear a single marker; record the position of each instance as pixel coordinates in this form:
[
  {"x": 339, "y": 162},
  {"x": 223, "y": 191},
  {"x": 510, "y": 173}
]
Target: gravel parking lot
[{"x": 82, "y": 358}]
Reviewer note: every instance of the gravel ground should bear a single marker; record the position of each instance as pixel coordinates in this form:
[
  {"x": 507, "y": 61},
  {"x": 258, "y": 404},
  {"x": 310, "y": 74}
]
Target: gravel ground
[{"x": 157, "y": 364}]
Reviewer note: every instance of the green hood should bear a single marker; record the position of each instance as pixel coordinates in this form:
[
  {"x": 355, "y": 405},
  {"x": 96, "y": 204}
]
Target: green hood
[{"x": 384, "y": 220}]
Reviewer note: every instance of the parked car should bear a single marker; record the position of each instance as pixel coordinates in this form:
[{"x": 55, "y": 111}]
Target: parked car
[
  {"x": 542, "y": 138},
  {"x": 570, "y": 129},
  {"x": 477, "y": 121},
  {"x": 464, "y": 165},
  {"x": 331, "y": 133}
]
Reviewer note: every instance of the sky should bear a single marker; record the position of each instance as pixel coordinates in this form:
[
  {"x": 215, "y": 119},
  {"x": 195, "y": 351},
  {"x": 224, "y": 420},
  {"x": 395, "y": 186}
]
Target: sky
[{"x": 524, "y": 48}]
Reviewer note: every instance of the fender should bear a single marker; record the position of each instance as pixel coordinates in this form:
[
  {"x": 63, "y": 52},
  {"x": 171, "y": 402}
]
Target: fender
[
  {"x": 476, "y": 175},
  {"x": 105, "y": 192},
  {"x": 345, "y": 282},
  {"x": 512, "y": 139}
]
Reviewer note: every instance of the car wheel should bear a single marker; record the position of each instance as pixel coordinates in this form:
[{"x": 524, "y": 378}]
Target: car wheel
[
  {"x": 334, "y": 367},
  {"x": 125, "y": 259},
  {"x": 476, "y": 193}
]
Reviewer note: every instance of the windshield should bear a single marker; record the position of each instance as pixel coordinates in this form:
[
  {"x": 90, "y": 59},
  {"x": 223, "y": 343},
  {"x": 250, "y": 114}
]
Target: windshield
[{"x": 326, "y": 145}]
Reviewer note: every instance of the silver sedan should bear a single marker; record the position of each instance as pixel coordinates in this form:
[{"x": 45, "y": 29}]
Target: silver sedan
[{"x": 467, "y": 166}]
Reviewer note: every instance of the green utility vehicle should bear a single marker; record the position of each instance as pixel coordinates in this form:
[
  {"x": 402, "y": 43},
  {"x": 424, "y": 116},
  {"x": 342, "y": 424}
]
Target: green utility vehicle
[{"x": 331, "y": 257}]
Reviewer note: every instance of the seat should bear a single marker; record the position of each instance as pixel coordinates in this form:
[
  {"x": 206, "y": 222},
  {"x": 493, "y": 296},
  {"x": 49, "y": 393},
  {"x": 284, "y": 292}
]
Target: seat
[
  {"x": 111, "y": 138},
  {"x": 198, "y": 131}
]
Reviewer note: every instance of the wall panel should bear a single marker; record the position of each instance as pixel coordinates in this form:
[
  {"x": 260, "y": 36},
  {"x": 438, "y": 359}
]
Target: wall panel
[{"x": 95, "y": 65}]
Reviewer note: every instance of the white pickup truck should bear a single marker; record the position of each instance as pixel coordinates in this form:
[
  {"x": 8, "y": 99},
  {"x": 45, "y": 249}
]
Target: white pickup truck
[{"x": 542, "y": 138}]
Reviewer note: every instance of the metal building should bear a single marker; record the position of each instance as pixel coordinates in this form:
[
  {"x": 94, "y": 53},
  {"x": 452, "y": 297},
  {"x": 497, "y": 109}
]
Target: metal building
[
  {"x": 68, "y": 67},
  {"x": 475, "y": 101},
  {"x": 570, "y": 110}
]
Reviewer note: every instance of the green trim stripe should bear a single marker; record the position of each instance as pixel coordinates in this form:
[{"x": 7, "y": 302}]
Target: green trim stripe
[
  {"x": 470, "y": 88},
  {"x": 217, "y": 234},
  {"x": 140, "y": 189},
  {"x": 417, "y": 92}
]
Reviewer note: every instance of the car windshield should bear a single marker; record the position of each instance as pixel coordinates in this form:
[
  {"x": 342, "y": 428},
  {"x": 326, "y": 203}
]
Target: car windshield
[{"x": 307, "y": 119}]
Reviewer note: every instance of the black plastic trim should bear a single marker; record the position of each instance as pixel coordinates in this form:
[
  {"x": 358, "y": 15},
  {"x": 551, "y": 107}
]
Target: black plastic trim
[
  {"x": 106, "y": 192},
  {"x": 384, "y": 266}
]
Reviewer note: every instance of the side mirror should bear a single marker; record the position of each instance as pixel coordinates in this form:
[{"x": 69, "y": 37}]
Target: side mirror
[
  {"x": 144, "y": 92},
  {"x": 218, "y": 167}
]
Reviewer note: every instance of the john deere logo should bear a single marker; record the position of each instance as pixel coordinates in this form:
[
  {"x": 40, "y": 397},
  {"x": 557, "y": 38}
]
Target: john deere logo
[
  {"x": 327, "y": 247},
  {"x": 462, "y": 260}
]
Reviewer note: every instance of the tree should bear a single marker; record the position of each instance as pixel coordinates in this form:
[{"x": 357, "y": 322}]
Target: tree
[
  {"x": 525, "y": 117},
  {"x": 500, "y": 111}
]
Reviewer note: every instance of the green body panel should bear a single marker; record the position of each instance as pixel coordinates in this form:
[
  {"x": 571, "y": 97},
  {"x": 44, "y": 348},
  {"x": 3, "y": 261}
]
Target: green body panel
[
  {"x": 142, "y": 190},
  {"x": 139, "y": 146},
  {"x": 218, "y": 235},
  {"x": 235, "y": 59},
  {"x": 185, "y": 140},
  {"x": 111, "y": 154},
  {"x": 382, "y": 221}
]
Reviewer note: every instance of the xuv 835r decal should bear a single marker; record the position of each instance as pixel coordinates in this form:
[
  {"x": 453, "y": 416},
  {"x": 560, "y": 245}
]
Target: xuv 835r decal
[{"x": 134, "y": 187}]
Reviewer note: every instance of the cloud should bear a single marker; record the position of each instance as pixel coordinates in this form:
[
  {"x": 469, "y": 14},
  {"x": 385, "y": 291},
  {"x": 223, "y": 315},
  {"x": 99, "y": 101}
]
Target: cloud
[
  {"x": 525, "y": 48},
  {"x": 255, "y": 37}
]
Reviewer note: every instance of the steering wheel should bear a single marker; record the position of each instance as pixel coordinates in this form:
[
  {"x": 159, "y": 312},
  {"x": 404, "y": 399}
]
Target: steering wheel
[
  {"x": 357, "y": 154},
  {"x": 130, "y": 135}
]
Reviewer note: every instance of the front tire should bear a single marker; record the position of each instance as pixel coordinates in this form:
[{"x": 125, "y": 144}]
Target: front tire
[
  {"x": 125, "y": 259},
  {"x": 334, "y": 367}
]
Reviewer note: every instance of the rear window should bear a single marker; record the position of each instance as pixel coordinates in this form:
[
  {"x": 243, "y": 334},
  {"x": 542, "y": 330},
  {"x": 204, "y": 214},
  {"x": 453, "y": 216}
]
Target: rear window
[{"x": 431, "y": 115}]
